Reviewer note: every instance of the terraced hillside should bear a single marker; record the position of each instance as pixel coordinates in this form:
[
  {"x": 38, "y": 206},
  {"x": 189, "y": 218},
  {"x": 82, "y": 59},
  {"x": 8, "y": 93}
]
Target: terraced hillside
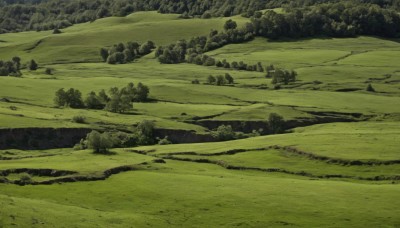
[{"x": 335, "y": 162}]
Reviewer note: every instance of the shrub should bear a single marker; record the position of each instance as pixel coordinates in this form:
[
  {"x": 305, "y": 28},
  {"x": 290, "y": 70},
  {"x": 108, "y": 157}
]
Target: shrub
[
  {"x": 48, "y": 71},
  {"x": 26, "y": 178},
  {"x": 57, "y": 31},
  {"x": 79, "y": 119},
  {"x": 164, "y": 141}
]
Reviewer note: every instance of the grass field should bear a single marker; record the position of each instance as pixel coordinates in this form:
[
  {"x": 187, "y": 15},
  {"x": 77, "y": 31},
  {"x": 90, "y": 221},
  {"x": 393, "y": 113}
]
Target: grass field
[{"x": 340, "y": 169}]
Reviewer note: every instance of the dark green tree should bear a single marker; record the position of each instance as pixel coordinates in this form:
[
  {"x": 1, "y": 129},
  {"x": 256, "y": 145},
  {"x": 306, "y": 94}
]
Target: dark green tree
[
  {"x": 229, "y": 78},
  {"x": 104, "y": 54},
  {"x": 276, "y": 123},
  {"x": 99, "y": 143},
  {"x": 211, "y": 80},
  {"x": 33, "y": 65}
]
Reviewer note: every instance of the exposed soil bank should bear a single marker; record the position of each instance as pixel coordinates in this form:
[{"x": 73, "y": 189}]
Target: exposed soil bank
[
  {"x": 249, "y": 126},
  {"x": 41, "y": 138}
]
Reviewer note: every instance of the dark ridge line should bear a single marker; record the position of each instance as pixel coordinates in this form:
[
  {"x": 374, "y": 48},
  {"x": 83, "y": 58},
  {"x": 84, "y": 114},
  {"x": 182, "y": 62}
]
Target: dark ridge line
[
  {"x": 288, "y": 149},
  {"x": 25, "y": 157},
  {"x": 35, "y": 45},
  {"x": 37, "y": 172},
  {"x": 279, "y": 170},
  {"x": 105, "y": 175}
]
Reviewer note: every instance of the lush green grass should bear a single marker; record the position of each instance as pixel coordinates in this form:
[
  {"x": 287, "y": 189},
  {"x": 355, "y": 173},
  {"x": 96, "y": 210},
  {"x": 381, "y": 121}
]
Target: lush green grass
[
  {"x": 337, "y": 63},
  {"x": 354, "y": 141},
  {"x": 153, "y": 198},
  {"x": 191, "y": 194}
]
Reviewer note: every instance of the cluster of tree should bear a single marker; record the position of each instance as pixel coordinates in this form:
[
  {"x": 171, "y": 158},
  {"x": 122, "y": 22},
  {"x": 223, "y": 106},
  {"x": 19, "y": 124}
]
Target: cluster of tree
[
  {"x": 220, "y": 80},
  {"x": 20, "y": 15},
  {"x": 142, "y": 134},
  {"x": 281, "y": 76},
  {"x": 341, "y": 19},
  {"x": 240, "y": 65},
  {"x": 117, "y": 100},
  {"x": 125, "y": 53},
  {"x": 176, "y": 53},
  {"x": 11, "y": 68}
]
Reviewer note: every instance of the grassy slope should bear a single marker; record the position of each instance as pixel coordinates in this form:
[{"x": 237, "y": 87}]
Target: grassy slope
[
  {"x": 252, "y": 199},
  {"x": 204, "y": 195}
]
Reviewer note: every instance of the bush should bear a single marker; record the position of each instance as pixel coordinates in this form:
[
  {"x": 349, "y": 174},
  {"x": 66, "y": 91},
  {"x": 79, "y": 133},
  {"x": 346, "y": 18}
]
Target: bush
[
  {"x": 57, "y": 31},
  {"x": 164, "y": 141},
  {"x": 48, "y": 71},
  {"x": 79, "y": 119},
  {"x": 224, "y": 133},
  {"x": 26, "y": 179}
]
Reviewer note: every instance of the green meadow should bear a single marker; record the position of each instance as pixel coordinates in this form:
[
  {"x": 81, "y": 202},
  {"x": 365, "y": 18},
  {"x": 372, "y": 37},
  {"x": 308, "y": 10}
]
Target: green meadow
[{"x": 337, "y": 166}]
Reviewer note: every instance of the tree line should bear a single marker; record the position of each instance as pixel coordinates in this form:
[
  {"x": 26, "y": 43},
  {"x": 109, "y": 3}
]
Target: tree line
[
  {"x": 125, "y": 53},
  {"x": 218, "y": 80},
  {"x": 116, "y": 100},
  {"x": 177, "y": 52},
  {"x": 22, "y": 15},
  {"x": 341, "y": 19},
  {"x": 40, "y": 15}
]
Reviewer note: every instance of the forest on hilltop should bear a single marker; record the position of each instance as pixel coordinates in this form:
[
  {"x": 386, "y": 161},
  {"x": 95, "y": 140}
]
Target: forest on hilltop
[{"x": 23, "y": 15}]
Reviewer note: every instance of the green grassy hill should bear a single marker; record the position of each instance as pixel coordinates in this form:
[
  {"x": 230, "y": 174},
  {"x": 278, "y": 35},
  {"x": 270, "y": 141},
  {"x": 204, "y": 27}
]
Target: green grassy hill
[{"x": 336, "y": 165}]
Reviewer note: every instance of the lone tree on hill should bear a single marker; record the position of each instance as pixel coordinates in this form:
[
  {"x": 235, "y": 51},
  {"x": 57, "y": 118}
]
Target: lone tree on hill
[
  {"x": 100, "y": 143},
  {"x": 33, "y": 65},
  {"x": 370, "y": 88},
  {"x": 275, "y": 123}
]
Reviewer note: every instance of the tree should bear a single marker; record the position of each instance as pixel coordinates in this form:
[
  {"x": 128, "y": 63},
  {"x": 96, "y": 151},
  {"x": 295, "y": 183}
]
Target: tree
[
  {"x": 100, "y": 143},
  {"x": 145, "y": 132},
  {"x": 230, "y": 24},
  {"x": 74, "y": 98},
  {"x": 229, "y": 78},
  {"x": 17, "y": 62},
  {"x": 33, "y": 65},
  {"x": 220, "y": 80},
  {"x": 141, "y": 93},
  {"x": 104, "y": 54},
  {"x": 128, "y": 57},
  {"x": 275, "y": 123},
  {"x": 211, "y": 80},
  {"x": 370, "y": 88},
  {"x": 112, "y": 59},
  {"x": 118, "y": 101},
  {"x": 224, "y": 133},
  {"x": 60, "y": 98},
  {"x": 49, "y": 71},
  {"x": 93, "y": 101}
]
